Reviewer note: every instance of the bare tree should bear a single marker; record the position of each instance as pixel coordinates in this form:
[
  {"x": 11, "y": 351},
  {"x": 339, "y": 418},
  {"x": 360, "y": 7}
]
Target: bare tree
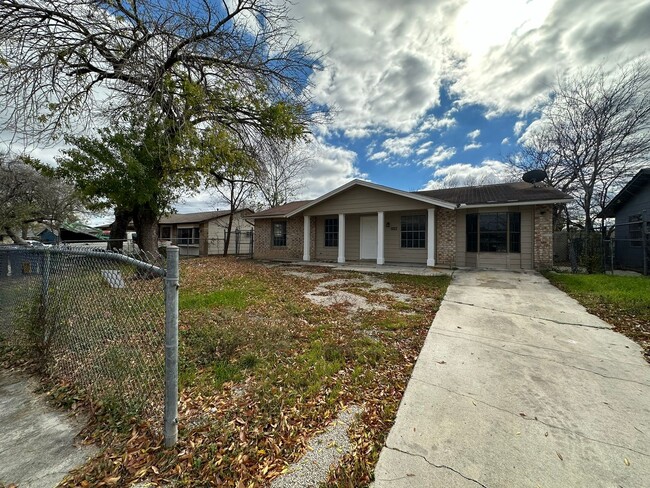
[
  {"x": 593, "y": 135},
  {"x": 27, "y": 196},
  {"x": 282, "y": 165},
  {"x": 231, "y": 66}
]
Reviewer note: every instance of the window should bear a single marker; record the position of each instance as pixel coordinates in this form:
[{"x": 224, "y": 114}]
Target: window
[
  {"x": 471, "y": 226},
  {"x": 187, "y": 236},
  {"x": 493, "y": 232},
  {"x": 166, "y": 232},
  {"x": 636, "y": 230},
  {"x": 331, "y": 232},
  {"x": 414, "y": 231},
  {"x": 279, "y": 237}
]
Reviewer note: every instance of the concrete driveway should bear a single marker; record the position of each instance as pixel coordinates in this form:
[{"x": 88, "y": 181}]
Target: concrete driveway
[{"x": 518, "y": 386}]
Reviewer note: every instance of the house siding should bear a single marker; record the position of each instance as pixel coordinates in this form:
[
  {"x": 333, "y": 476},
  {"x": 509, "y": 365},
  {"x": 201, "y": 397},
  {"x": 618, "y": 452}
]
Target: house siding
[
  {"x": 363, "y": 200},
  {"x": 627, "y": 255}
]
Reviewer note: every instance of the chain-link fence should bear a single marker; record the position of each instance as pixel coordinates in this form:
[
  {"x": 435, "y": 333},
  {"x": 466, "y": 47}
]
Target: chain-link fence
[
  {"x": 240, "y": 244},
  {"x": 89, "y": 318}
]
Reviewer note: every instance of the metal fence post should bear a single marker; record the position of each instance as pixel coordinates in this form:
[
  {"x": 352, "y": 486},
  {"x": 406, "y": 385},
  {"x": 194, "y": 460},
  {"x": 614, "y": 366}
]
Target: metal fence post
[
  {"x": 171, "y": 347},
  {"x": 45, "y": 282}
]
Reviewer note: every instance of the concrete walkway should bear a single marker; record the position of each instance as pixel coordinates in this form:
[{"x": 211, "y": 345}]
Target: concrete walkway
[
  {"x": 36, "y": 442},
  {"x": 518, "y": 386}
]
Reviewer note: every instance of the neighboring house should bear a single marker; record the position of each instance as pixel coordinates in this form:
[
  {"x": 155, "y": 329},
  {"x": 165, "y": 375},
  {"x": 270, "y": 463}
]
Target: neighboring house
[
  {"x": 631, "y": 211},
  {"x": 505, "y": 226},
  {"x": 71, "y": 233},
  {"x": 204, "y": 233}
]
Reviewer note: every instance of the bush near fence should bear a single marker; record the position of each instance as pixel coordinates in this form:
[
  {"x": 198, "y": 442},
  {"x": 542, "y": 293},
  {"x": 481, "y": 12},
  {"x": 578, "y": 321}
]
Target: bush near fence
[{"x": 90, "y": 319}]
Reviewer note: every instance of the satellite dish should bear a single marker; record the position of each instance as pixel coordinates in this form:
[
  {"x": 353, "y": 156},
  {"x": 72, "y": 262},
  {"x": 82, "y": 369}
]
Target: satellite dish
[{"x": 534, "y": 176}]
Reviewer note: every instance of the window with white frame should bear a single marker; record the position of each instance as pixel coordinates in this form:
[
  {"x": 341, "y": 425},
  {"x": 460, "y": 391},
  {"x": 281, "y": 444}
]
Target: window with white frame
[{"x": 187, "y": 236}]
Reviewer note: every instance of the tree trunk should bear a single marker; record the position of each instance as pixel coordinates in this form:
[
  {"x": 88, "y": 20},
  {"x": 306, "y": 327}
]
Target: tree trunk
[
  {"x": 14, "y": 237},
  {"x": 145, "y": 221},
  {"x": 228, "y": 232},
  {"x": 118, "y": 229}
]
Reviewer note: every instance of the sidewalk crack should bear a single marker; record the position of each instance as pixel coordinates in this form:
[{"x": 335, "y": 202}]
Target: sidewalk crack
[
  {"x": 438, "y": 466},
  {"x": 559, "y": 322}
]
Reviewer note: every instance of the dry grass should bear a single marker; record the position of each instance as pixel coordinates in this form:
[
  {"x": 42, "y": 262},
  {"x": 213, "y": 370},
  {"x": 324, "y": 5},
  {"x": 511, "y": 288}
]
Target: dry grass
[{"x": 263, "y": 369}]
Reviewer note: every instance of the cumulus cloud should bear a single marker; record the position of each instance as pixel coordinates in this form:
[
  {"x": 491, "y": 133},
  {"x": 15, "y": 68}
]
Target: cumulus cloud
[
  {"x": 505, "y": 141},
  {"x": 424, "y": 148},
  {"x": 441, "y": 153},
  {"x": 472, "y": 145},
  {"x": 384, "y": 66},
  {"x": 473, "y": 135},
  {"x": 466, "y": 174},
  {"x": 401, "y": 146},
  {"x": 519, "y": 127}
]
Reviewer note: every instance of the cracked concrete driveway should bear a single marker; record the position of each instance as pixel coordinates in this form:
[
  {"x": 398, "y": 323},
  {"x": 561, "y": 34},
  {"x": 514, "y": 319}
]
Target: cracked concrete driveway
[{"x": 517, "y": 385}]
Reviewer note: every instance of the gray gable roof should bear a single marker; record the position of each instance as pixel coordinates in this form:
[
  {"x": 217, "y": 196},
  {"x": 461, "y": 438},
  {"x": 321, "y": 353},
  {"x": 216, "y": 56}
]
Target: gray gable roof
[
  {"x": 633, "y": 187},
  {"x": 502, "y": 193}
]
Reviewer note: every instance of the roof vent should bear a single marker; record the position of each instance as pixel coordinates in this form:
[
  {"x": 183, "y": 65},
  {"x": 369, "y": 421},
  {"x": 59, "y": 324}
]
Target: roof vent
[{"x": 534, "y": 176}]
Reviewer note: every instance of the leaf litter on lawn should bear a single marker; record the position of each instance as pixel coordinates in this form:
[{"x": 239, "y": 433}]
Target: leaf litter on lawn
[{"x": 265, "y": 373}]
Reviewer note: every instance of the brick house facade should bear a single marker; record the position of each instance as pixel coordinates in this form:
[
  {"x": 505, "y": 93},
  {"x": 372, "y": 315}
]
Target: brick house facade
[{"x": 362, "y": 221}]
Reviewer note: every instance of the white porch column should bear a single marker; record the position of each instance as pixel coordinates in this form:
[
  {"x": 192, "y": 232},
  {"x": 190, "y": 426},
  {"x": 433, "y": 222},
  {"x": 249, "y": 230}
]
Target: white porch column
[
  {"x": 306, "y": 241},
  {"x": 341, "y": 258},
  {"x": 431, "y": 237},
  {"x": 380, "y": 237}
]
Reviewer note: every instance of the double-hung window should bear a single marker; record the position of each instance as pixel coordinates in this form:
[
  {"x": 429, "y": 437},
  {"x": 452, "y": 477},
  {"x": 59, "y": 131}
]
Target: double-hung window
[
  {"x": 331, "y": 232},
  {"x": 187, "y": 236},
  {"x": 279, "y": 234},
  {"x": 413, "y": 233}
]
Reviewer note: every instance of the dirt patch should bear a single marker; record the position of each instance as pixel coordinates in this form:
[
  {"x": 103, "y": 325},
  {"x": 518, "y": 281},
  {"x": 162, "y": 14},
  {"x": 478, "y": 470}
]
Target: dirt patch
[{"x": 333, "y": 292}]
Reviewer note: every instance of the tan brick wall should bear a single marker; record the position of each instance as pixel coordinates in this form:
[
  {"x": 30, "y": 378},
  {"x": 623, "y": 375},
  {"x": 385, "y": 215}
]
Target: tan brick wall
[
  {"x": 445, "y": 237},
  {"x": 543, "y": 235},
  {"x": 292, "y": 251}
]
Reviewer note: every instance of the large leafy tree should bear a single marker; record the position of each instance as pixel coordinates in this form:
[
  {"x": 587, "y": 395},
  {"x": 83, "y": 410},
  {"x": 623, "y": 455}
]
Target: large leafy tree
[
  {"x": 592, "y": 136},
  {"x": 121, "y": 169}
]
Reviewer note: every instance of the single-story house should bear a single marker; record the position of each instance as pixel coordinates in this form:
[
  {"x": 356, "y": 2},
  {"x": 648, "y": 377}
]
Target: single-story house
[
  {"x": 504, "y": 226},
  {"x": 631, "y": 210},
  {"x": 204, "y": 233}
]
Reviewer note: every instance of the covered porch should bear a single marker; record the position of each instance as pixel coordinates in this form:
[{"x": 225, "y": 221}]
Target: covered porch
[{"x": 379, "y": 237}]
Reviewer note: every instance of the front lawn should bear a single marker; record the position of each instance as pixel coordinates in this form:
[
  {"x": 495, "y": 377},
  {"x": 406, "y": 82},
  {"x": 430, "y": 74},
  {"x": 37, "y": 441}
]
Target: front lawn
[
  {"x": 269, "y": 358},
  {"x": 623, "y": 301}
]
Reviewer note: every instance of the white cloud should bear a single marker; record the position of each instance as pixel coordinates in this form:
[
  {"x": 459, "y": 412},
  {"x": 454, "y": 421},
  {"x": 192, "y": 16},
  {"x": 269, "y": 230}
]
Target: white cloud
[
  {"x": 432, "y": 123},
  {"x": 505, "y": 141},
  {"x": 472, "y": 145},
  {"x": 401, "y": 146},
  {"x": 474, "y": 134},
  {"x": 424, "y": 148},
  {"x": 466, "y": 174},
  {"x": 384, "y": 66},
  {"x": 378, "y": 156},
  {"x": 441, "y": 153},
  {"x": 519, "y": 127}
]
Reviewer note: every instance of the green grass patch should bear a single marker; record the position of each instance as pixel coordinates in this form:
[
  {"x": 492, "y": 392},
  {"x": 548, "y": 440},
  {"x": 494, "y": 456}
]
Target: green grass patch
[
  {"x": 237, "y": 294},
  {"x": 631, "y": 293}
]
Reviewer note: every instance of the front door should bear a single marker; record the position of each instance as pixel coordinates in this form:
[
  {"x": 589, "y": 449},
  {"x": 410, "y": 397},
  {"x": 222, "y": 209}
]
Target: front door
[{"x": 368, "y": 231}]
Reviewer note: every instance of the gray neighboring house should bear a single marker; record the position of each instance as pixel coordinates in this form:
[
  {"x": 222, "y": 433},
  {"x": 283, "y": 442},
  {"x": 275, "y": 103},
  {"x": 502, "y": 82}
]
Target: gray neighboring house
[
  {"x": 504, "y": 226},
  {"x": 203, "y": 233},
  {"x": 631, "y": 211}
]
